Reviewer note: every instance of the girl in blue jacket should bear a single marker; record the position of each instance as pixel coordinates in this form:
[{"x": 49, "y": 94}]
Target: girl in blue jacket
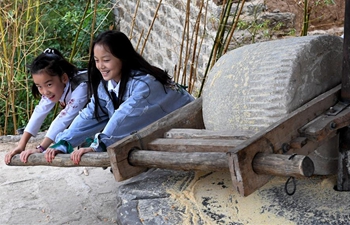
[{"x": 128, "y": 94}]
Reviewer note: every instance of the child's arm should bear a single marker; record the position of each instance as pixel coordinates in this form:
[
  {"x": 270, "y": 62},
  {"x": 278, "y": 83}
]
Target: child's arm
[
  {"x": 39, "y": 114},
  {"x": 46, "y": 143},
  {"x": 36, "y": 120},
  {"x": 20, "y": 147},
  {"x": 39, "y": 149}
]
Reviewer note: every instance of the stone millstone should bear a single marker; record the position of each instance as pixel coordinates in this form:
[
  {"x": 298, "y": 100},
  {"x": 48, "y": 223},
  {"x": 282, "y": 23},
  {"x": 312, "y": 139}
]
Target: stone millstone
[{"x": 254, "y": 86}]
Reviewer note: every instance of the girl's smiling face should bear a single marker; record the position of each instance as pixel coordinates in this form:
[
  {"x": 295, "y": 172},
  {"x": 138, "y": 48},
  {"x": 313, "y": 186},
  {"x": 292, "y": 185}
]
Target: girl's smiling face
[
  {"x": 51, "y": 87},
  {"x": 109, "y": 65}
]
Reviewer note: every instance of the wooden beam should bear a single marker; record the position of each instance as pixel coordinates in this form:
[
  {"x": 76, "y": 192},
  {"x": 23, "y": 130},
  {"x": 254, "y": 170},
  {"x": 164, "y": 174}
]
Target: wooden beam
[
  {"x": 322, "y": 126},
  {"x": 298, "y": 142},
  {"x": 345, "y": 89},
  {"x": 343, "y": 181},
  {"x": 90, "y": 159},
  {"x": 193, "y": 145},
  {"x": 208, "y": 134},
  {"x": 310, "y": 146},
  {"x": 189, "y": 116},
  {"x": 263, "y": 163},
  {"x": 283, "y": 165},
  {"x": 205, "y": 161},
  {"x": 271, "y": 140},
  {"x": 343, "y": 175}
]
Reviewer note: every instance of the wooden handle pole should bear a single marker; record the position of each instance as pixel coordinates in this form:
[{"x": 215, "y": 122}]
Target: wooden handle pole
[
  {"x": 283, "y": 165},
  {"x": 91, "y": 159},
  {"x": 263, "y": 163},
  {"x": 207, "y": 161}
]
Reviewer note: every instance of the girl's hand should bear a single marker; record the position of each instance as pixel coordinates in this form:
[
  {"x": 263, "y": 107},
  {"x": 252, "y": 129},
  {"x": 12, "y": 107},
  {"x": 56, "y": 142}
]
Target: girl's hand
[
  {"x": 75, "y": 156},
  {"x": 50, "y": 154},
  {"x": 9, "y": 155},
  {"x": 25, "y": 154}
]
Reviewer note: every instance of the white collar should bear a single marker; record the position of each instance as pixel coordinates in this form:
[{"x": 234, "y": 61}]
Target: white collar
[
  {"x": 113, "y": 86},
  {"x": 65, "y": 92}
]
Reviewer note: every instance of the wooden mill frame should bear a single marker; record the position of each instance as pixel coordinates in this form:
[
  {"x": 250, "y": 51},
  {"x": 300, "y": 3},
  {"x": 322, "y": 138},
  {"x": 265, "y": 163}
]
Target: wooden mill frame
[{"x": 179, "y": 141}]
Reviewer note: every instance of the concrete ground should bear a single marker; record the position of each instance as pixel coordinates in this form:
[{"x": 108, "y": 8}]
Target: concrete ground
[{"x": 53, "y": 195}]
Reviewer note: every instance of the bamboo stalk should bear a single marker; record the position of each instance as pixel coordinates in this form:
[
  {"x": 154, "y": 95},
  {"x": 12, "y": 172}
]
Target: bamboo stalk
[
  {"x": 305, "y": 19},
  {"x": 93, "y": 26},
  {"x": 26, "y": 81},
  {"x": 10, "y": 73},
  {"x": 212, "y": 57},
  {"x": 177, "y": 76},
  {"x": 220, "y": 32},
  {"x": 187, "y": 48},
  {"x": 151, "y": 26},
  {"x": 196, "y": 31},
  {"x": 78, "y": 31},
  {"x": 5, "y": 61},
  {"x": 139, "y": 41},
  {"x": 22, "y": 34},
  {"x": 233, "y": 28},
  {"x": 134, "y": 19},
  {"x": 105, "y": 18},
  {"x": 202, "y": 39}
]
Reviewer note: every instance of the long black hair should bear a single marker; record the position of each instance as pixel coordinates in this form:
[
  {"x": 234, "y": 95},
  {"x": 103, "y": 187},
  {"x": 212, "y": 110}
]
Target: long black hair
[
  {"x": 52, "y": 62},
  {"x": 119, "y": 45}
]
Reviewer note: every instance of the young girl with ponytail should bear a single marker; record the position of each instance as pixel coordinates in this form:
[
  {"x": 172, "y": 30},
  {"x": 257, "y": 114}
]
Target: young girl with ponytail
[{"x": 56, "y": 81}]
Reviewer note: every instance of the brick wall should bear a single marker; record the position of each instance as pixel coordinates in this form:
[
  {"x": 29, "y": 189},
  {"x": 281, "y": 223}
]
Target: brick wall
[{"x": 164, "y": 42}]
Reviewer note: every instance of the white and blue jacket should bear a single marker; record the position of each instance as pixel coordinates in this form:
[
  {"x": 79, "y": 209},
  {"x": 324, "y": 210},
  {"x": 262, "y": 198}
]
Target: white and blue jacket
[
  {"x": 74, "y": 97},
  {"x": 145, "y": 101}
]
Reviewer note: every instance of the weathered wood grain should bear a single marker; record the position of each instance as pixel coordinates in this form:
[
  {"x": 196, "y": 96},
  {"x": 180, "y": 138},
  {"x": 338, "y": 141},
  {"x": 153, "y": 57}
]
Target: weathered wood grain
[
  {"x": 90, "y": 159},
  {"x": 271, "y": 140},
  {"x": 193, "y": 145},
  {"x": 322, "y": 126},
  {"x": 283, "y": 165},
  {"x": 207, "y": 134},
  {"x": 205, "y": 161}
]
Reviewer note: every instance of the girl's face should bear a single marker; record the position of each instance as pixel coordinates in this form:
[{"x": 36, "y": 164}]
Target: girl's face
[
  {"x": 109, "y": 65},
  {"x": 51, "y": 87}
]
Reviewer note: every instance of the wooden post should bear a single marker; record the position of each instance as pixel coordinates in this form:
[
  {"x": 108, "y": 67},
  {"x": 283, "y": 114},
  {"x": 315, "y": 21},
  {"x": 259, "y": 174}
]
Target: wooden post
[
  {"x": 206, "y": 161},
  {"x": 91, "y": 159},
  {"x": 263, "y": 163},
  {"x": 345, "y": 89},
  {"x": 343, "y": 181},
  {"x": 283, "y": 165}
]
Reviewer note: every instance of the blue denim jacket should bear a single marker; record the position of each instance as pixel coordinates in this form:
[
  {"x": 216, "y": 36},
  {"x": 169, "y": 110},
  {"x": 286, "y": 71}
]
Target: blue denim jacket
[{"x": 146, "y": 100}]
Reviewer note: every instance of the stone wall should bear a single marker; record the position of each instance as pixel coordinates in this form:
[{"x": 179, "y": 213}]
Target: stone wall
[{"x": 167, "y": 42}]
